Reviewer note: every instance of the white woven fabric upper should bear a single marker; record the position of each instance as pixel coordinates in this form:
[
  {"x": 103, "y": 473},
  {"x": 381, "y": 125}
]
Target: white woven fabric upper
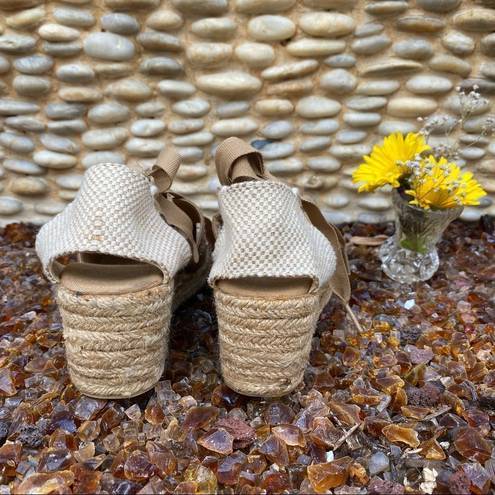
[
  {"x": 113, "y": 213},
  {"x": 265, "y": 233}
]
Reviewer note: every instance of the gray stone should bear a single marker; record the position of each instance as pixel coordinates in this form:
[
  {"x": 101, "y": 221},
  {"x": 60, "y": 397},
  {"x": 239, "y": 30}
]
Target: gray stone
[
  {"x": 362, "y": 119},
  {"x": 75, "y": 73},
  {"x": 80, "y": 94},
  {"x": 201, "y": 138},
  {"x": 274, "y": 107},
  {"x": 275, "y": 151},
  {"x": 108, "y": 46},
  {"x": 132, "y": 4},
  {"x": 390, "y": 67},
  {"x": 208, "y": 54},
  {"x": 408, "y": 106},
  {"x": 451, "y": 64},
  {"x": 58, "y": 143},
  {"x": 277, "y": 129},
  {"x": 67, "y": 127},
  {"x": 146, "y": 148},
  {"x": 325, "y": 164},
  {"x": 471, "y": 214},
  {"x": 33, "y": 64},
  {"x": 420, "y": 24},
  {"x": 17, "y": 43},
  {"x": 147, "y": 127},
  {"x": 69, "y": 49},
  {"x": 271, "y": 28},
  {"x": 263, "y": 6},
  {"x": 336, "y": 200},
  {"x": 473, "y": 153},
  {"x": 113, "y": 70},
  {"x": 290, "y": 70},
  {"x": 28, "y": 186},
  {"x": 49, "y": 208},
  {"x": 191, "y": 108},
  {"x": 256, "y": 55},
  {"x": 326, "y": 24},
  {"x": 191, "y": 154},
  {"x": 414, "y": 48},
  {"x": 320, "y": 127},
  {"x": 350, "y": 151},
  {"x": 234, "y": 127},
  {"x": 176, "y": 89},
  {"x": 285, "y": 167},
  {"x": 214, "y": 28},
  {"x": 205, "y": 7},
  {"x": 315, "y": 144},
  {"x": 149, "y": 109},
  {"x": 232, "y": 109},
  {"x": 25, "y": 124},
  {"x": 54, "y": 160},
  {"x": 487, "y": 69},
  {"x": 133, "y": 90},
  {"x": 9, "y": 106},
  {"x": 74, "y": 17},
  {"x": 371, "y": 44},
  {"x": 482, "y": 86},
  {"x": 120, "y": 23},
  {"x": 31, "y": 85},
  {"x": 101, "y": 157},
  {"x": 338, "y": 81},
  {"x": 429, "y": 84},
  {"x": 161, "y": 66},
  {"x": 16, "y": 142},
  {"x": 366, "y": 103},
  {"x": 477, "y": 20},
  {"x": 458, "y": 43},
  {"x": 343, "y": 61},
  {"x": 229, "y": 84},
  {"x": 378, "y": 87},
  {"x": 368, "y": 29},
  {"x": 488, "y": 44},
  {"x": 316, "y": 107},
  {"x": 61, "y": 111},
  {"x": 10, "y": 206},
  {"x": 351, "y": 137},
  {"x": 69, "y": 181},
  {"x": 57, "y": 32},
  {"x": 386, "y": 8},
  {"x": 155, "y": 41},
  {"x": 104, "y": 139},
  {"x": 439, "y": 5},
  {"x": 375, "y": 203},
  {"x": 19, "y": 166},
  {"x": 441, "y": 124},
  {"x": 475, "y": 125},
  {"x": 311, "y": 47},
  {"x": 164, "y": 20},
  {"x": 4, "y": 65},
  {"x": 26, "y": 19},
  {"x": 186, "y": 126}
]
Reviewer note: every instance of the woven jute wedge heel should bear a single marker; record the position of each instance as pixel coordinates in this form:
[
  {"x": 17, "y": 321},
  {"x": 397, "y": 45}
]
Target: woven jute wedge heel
[
  {"x": 265, "y": 343},
  {"x": 275, "y": 265},
  {"x": 137, "y": 258}
]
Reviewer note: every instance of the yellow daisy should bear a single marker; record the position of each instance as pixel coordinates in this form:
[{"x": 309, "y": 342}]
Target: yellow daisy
[
  {"x": 441, "y": 184},
  {"x": 386, "y": 163}
]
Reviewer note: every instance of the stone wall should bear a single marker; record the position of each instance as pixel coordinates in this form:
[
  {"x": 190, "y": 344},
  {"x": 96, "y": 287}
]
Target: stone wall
[{"x": 312, "y": 83}]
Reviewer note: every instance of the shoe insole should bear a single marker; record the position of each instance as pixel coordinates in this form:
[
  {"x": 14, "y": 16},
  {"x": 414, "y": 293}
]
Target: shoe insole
[
  {"x": 99, "y": 278},
  {"x": 266, "y": 286}
]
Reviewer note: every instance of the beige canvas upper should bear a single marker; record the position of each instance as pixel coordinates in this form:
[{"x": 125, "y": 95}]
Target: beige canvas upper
[
  {"x": 114, "y": 214},
  {"x": 265, "y": 233}
]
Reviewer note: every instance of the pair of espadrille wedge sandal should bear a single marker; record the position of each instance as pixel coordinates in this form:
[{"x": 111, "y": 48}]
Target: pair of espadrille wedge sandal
[{"x": 123, "y": 259}]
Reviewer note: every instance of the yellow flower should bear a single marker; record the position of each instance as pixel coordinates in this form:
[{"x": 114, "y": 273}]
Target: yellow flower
[
  {"x": 441, "y": 184},
  {"x": 386, "y": 163}
]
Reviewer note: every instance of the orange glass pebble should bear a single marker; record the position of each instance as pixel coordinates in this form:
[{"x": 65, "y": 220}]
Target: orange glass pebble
[
  {"x": 329, "y": 475},
  {"x": 401, "y": 434}
]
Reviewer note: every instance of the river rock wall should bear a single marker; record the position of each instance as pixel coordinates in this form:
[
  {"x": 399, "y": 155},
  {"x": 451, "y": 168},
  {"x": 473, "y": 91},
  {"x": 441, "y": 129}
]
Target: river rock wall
[{"x": 312, "y": 83}]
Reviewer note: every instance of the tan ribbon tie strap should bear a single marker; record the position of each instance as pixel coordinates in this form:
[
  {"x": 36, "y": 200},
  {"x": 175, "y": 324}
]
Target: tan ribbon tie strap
[
  {"x": 229, "y": 153},
  {"x": 163, "y": 172}
]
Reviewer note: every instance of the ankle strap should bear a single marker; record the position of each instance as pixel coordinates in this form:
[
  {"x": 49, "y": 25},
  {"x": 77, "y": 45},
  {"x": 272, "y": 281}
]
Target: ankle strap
[{"x": 231, "y": 150}]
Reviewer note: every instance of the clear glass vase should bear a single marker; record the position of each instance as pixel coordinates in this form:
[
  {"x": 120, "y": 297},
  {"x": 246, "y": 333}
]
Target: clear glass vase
[{"x": 410, "y": 255}]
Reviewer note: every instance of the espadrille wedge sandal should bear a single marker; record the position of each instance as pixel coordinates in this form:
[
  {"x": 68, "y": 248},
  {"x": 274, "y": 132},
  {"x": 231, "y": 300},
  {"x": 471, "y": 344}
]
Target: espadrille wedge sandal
[
  {"x": 132, "y": 259},
  {"x": 276, "y": 263}
]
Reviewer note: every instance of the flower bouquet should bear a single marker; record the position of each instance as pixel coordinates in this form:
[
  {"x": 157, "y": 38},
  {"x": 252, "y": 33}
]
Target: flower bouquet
[{"x": 429, "y": 191}]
